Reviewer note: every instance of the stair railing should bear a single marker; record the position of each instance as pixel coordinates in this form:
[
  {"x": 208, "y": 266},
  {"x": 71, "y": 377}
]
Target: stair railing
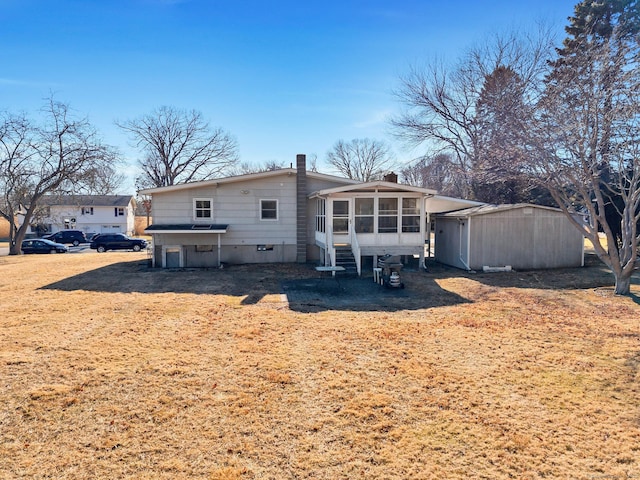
[{"x": 355, "y": 249}]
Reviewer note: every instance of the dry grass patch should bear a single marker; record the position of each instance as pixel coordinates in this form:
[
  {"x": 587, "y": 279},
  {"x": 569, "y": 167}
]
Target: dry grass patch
[{"x": 113, "y": 370}]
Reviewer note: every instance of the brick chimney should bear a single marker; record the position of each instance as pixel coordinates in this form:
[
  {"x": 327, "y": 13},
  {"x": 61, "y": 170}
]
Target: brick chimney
[
  {"x": 390, "y": 177},
  {"x": 301, "y": 208}
]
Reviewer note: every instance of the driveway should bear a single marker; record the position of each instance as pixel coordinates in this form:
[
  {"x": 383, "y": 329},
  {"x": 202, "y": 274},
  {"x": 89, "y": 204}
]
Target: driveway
[{"x": 83, "y": 248}]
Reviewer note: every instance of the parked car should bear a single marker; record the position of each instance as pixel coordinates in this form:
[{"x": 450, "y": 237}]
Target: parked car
[
  {"x": 75, "y": 237},
  {"x": 117, "y": 241},
  {"x": 42, "y": 245}
]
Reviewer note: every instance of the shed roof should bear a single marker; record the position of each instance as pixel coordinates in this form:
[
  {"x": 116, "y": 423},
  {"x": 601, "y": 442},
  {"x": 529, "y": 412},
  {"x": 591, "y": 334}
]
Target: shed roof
[
  {"x": 489, "y": 208},
  {"x": 87, "y": 200}
]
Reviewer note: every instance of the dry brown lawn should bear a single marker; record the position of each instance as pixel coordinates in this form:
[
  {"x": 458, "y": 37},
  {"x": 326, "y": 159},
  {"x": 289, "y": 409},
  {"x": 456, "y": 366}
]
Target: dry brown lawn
[{"x": 109, "y": 369}]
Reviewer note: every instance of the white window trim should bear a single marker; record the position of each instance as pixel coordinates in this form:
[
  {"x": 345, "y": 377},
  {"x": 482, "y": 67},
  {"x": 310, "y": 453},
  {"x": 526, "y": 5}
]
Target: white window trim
[
  {"x": 277, "y": 210},
  {"x": 202, "y": 219}
]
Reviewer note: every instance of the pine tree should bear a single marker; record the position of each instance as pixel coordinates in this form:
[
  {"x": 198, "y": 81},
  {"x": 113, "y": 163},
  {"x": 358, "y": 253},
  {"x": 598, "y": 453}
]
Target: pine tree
[
  {"x": 591, "y": 113},
  {"x": 501, "y": 118}
]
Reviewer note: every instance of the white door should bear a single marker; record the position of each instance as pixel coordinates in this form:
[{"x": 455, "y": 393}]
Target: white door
[{"x": 341, "y": 221}]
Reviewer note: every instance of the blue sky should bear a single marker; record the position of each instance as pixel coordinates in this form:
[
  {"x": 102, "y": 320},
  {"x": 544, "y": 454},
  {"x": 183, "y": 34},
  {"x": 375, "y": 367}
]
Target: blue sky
[{"x": 284, "y": 77}]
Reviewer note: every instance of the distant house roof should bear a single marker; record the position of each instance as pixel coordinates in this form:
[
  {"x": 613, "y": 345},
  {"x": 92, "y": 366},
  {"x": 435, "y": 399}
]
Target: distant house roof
[
  {"x": 187, "y": 228},
  {"x": 490, "y": 208},
  {"x": 87, "y": 200}
]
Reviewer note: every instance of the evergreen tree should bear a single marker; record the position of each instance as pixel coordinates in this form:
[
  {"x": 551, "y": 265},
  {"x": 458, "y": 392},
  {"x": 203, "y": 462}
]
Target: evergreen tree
[
  {"x": 501, "y": 119},
  {"x": 591, "y": 113}
]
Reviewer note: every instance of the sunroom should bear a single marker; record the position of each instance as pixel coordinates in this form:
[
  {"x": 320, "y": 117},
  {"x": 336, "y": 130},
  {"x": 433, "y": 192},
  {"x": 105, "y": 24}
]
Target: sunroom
[{"x": 371, "y": 220}]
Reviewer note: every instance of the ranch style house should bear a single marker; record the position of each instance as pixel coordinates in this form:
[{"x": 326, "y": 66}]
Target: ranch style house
[{"x": 291, "y": 215}]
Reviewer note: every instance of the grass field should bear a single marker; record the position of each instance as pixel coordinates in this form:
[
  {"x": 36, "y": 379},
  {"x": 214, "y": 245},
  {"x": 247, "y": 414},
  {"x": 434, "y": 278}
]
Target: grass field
[{"x": 109, "y": 369}]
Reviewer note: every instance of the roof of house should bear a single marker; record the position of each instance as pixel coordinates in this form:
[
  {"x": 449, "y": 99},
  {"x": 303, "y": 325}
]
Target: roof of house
[
  {"x": 376, "y": 186},
  {"x": 87, "y": 200},
  {"x": 492, "y": 208},
  {"x": 245, "y": 177}
]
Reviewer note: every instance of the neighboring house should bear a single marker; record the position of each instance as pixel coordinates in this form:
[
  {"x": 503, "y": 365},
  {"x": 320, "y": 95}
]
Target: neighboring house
[
  {"x": 289, "y": 215},
  {"x": 522, "y": 236},
  {"x": 89, "y": 213}
]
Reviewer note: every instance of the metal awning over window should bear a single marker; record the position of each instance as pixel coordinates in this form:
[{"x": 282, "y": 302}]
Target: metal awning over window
[{"x": 187, "y": 228}]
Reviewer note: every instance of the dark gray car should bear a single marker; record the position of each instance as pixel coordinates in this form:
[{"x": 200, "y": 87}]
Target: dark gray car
[
  {"x": 41, "y": 245},
  {"x": 117, "y": 241},
  {"x": 74, "y": 237}
]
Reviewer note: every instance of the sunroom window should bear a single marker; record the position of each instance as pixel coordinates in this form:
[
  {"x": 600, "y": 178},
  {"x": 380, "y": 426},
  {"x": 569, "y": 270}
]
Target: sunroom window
[
  {"x": 388, "y": 215},
  {"x": 364, "y": 215},
  {"x": 410, "y": 215}
]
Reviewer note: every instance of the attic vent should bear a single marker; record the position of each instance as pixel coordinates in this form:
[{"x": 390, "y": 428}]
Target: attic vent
[
  {"x": 527, "y": 211},
  {"x": 201, "y": 227}
]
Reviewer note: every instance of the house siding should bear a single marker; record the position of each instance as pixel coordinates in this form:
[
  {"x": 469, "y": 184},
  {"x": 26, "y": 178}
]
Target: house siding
[
  {"x": 237, "y": 204},
  {"x": 241, "y": 211}
]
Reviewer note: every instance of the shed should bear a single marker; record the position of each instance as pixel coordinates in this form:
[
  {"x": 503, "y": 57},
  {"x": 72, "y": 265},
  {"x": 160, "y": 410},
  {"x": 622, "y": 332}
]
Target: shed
[{"x": 523, "y": 236}]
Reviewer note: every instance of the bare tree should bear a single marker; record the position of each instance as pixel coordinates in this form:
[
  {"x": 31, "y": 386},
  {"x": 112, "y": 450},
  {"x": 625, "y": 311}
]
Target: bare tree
[
  {"x": 106, "y": 180},
  {"x": 589, "y": 145},
  {"x": 361, "y": 159},
  {"x": 441, "y": 103},
  {"x": 435, "y": 172},
  {"x": 39, "y": 159},
  {"x": 245, "y": 168},
  {"x": 178, "y": 146}
]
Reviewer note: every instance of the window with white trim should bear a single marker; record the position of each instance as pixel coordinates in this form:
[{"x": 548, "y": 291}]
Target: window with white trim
[
  {"x": 202, "y": 208},
  {"x": 364, "y": 215},
  {"x": 387, "y": 215},
  {"x": 410, "y": 215},
  {"x": 321, "y": 215},
  {"x": 268, "y": 209}
]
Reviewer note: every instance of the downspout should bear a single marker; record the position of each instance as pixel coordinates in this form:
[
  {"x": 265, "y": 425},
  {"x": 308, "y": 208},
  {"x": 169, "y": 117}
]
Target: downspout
[
  {"x": 425, "y": 223},
  {"x": 424, "y": 229},
  {"x": 461, "y": 224},
  {"x": 331, "y": 252}
]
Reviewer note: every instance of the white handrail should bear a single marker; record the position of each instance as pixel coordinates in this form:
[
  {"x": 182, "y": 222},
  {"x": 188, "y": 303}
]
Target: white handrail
[
  {"x": 355, "y": 249},
  {"x": 331, "y": 250}
]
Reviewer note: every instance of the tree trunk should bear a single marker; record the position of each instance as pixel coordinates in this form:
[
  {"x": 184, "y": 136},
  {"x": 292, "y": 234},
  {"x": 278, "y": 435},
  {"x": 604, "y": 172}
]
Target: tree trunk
[
  {"x": 623, "y": 283},
  {"x": 15, "y": 249}
]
